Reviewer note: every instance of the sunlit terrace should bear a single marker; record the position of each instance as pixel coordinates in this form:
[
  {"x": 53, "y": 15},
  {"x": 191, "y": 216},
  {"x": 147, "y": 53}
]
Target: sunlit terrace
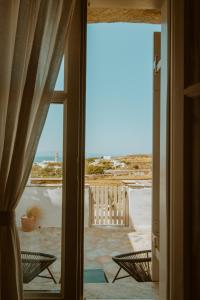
[{"x": 117, "y": 221}]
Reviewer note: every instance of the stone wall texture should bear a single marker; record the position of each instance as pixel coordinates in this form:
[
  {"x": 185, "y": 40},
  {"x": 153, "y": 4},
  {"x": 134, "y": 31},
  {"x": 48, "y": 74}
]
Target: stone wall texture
[{"x": 108, "y": 15}]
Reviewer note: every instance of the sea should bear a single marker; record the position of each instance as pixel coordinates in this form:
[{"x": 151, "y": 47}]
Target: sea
[{"x": 39, "y": 159}]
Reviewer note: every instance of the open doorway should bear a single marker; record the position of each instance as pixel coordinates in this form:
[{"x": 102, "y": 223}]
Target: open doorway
[
  {"x": 122, "y": 84},
  {"x": 75, "y": 126}
]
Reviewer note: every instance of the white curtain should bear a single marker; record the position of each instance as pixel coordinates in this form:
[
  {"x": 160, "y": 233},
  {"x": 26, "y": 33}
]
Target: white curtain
[{"x": 33, "y": 34}]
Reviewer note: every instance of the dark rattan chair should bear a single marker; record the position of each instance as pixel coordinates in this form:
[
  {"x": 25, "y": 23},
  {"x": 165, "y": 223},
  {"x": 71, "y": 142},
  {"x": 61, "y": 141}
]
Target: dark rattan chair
[
  {"x": 34, "y": 263},
  {"x": 136, "y": 264}
]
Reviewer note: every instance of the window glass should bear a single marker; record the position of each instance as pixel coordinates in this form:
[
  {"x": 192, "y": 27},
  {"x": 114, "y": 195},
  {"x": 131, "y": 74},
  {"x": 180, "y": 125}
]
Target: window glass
[
  {"x": 39, "y": 213},
  {"x": 60, "y": 80}
]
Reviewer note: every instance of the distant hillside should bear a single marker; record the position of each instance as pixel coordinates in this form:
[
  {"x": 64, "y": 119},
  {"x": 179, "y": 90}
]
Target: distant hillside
[
  {"x": 114, "y": 170},
  {"x": 143, "y": 161}
]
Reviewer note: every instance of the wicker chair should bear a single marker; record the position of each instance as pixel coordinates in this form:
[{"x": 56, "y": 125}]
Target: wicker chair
[
  {"x": 136, "y": 264},
  {"x": 34, "y": 263}
]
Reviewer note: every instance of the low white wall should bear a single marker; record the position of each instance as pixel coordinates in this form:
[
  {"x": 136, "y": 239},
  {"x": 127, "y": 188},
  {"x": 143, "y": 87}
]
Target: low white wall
[
  {"x": 49, "y": 199},
  {"x": 140, "y": 208}
]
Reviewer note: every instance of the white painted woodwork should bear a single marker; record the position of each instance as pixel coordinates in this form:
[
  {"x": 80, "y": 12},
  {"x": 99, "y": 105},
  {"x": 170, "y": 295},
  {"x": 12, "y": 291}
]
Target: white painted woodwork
[
  {"x": 156, "y": 159},
  {"x": 109, "y": 205}
]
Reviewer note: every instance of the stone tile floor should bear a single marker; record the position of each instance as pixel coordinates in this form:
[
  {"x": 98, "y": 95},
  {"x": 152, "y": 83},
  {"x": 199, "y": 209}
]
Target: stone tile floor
[{"x": 101, "y": 243}]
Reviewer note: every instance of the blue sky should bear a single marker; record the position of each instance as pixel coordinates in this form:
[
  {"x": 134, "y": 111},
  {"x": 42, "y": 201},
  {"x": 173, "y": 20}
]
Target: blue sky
[{"x": 119, "y": 92}]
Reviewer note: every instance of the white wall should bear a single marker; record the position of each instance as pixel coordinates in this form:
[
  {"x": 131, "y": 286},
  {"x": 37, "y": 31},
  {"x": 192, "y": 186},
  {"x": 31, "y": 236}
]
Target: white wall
[
  {"x": 49, "y": 199},
  {"x": 140, "y": 206}
]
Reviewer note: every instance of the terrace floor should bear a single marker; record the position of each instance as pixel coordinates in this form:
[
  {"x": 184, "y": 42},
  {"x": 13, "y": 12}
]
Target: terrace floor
[{"x": 101, "y": 243}]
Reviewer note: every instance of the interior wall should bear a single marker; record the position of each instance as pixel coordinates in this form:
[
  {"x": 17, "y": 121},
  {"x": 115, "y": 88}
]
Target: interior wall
[
  {"x": 192, "y": 199},
  {"x": 192, "y": 150}
]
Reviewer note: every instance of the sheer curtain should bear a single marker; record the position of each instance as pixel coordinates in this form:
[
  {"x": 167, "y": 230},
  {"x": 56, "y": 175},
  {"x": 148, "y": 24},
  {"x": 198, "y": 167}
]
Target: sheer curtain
[{"x": 33, "y": 34}]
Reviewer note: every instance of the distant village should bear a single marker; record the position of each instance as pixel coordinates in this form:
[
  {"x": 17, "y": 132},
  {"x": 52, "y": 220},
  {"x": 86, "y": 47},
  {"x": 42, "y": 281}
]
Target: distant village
[{"x": 100, "y": 169}]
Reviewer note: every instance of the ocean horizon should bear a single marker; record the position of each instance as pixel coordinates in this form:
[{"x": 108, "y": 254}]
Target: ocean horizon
[
  {"x": 51, "y": 157},
  {"x": 41, "y": 158}
]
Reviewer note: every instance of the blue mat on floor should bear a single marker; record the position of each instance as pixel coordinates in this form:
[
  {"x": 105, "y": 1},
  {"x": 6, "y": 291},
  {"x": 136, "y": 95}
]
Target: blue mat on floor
[{"x": 94, "y": 276}]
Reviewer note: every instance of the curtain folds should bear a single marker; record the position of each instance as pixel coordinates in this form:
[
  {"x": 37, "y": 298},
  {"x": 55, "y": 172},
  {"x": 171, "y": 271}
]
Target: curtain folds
[{"x": 32, "y": 38}]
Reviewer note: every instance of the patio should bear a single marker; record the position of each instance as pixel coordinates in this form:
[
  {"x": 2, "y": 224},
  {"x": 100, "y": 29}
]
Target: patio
[{"x": 101, "y": 243}]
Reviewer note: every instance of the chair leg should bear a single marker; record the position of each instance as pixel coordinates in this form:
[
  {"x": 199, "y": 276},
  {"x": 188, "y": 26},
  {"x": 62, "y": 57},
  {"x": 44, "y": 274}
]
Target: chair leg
[
  {"x": 116, "y": 275},
  {"x": 106, "y": 278},
  {"x": 51, "y": 275}
]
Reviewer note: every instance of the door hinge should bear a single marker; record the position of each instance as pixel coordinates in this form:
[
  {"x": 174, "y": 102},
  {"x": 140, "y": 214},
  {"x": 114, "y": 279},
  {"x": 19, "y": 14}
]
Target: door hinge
[{"x": 156, "y": 64}]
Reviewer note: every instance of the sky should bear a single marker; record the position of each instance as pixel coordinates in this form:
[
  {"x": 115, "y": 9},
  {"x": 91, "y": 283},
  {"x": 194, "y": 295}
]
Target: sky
[{"x": 118, "y": 94}]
